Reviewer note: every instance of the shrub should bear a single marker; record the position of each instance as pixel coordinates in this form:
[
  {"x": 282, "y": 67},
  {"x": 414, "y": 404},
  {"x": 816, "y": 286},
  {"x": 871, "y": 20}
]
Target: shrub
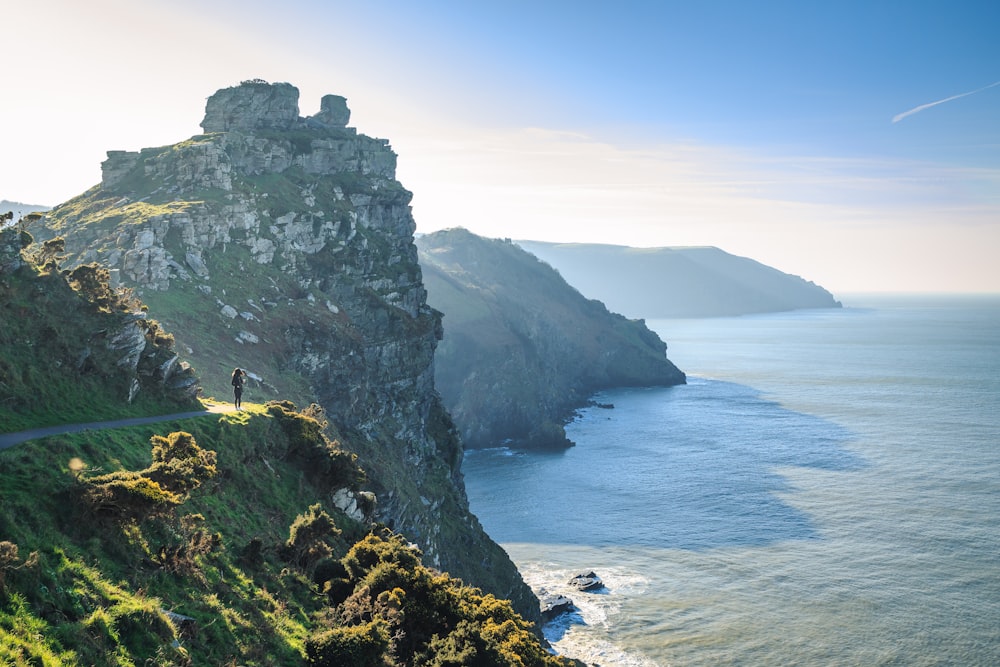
[
  {"x": 358, "y": 646},
  {"x": 308, "y": 535},
  {"x": 322, "y": 459},
  {"x": 127, "y": 494},
  {"x": 179, "y": 466},
  {"x": 8, "y": 561},
  {"x": 430, "y": 619}
]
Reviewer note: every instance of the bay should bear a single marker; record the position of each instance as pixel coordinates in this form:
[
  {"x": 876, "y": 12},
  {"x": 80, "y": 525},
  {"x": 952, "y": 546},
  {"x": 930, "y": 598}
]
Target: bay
[{"x": 824, "y": 491}]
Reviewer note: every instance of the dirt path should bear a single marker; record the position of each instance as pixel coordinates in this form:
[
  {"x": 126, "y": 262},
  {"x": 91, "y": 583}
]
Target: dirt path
[{"x": 11, "y": 439}]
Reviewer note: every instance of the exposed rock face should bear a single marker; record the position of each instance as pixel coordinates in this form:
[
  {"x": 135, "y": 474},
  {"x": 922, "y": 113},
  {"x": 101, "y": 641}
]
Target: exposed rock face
[
  {"x": 284, "y": 245},
  {"x": 333, "y": 111},
  {"x": 522, "y": 349},
  {"x": 586, "y": 581},
  {"x": 11, "y": 244},
  {"x": 252, "y": 106}
]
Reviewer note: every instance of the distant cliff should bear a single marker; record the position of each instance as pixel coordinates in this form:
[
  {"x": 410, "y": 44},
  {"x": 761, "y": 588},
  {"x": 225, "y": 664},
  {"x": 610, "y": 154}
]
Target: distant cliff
[
  {"x": 284, "y": 245},
  {"x": 521, "y": 348},
  {"x": 678, "y": 282}
]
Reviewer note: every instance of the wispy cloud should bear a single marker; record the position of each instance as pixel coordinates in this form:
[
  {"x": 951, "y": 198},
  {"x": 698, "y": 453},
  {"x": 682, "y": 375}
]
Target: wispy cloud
[{"x": 901, "y": 116}]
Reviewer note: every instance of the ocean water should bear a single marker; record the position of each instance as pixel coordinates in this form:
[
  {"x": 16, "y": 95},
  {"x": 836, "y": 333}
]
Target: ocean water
[{"x": 824, "y": 491}]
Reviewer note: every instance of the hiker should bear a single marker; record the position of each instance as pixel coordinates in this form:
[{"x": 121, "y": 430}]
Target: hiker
[{"x": 239, "y": 377}]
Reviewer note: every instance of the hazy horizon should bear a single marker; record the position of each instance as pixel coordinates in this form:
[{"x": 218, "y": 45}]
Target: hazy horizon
[{"x": 854, "y": 145}]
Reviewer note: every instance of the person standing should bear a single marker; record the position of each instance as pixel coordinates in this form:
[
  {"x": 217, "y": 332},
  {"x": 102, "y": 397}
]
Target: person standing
[{"x": 239, "y": 377}]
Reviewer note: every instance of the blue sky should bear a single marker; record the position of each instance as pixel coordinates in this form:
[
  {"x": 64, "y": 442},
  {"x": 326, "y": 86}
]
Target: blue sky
[{"x": 764, "y": 128}]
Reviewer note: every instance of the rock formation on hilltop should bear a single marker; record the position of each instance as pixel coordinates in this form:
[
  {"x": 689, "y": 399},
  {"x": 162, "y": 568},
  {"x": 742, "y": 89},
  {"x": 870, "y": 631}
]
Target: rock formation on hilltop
[
  {"x": 284, "y": 245},
  {"x": 522, "y": 349}
]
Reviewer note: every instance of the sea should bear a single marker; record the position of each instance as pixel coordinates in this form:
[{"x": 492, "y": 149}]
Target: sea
[{"x": 825, "y": 490}]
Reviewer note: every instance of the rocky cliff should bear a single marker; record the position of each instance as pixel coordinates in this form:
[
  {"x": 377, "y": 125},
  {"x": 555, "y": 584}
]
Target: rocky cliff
[
  {"x": 284, "y": 245},
  {"x": 522, "y": 349}
]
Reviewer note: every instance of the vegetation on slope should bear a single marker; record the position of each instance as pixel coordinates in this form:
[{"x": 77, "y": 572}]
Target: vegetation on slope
[
  {"x": 56, "y": 364},
  {"x": 521, "y": 348},
  {"x": 206, "y": 541},
  {"x": 219, "y": 544}
]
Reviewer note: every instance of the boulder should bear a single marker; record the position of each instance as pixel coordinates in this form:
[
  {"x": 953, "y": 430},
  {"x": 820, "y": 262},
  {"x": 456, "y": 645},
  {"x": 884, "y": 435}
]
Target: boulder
[
  {"x": 554, "y": 604},
  {"x": 253, "y": 105},
  {"x": 333, "y": 111},
  {"x": 586, "y": 581}
]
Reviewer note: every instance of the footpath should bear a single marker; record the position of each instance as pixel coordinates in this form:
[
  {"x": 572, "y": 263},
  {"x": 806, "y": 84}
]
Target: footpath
[{"x": 11, "y": 439}]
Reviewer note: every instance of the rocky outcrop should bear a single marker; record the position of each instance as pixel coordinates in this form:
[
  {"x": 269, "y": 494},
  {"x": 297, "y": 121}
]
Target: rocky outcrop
[
  {"x": 554, "y": 604},
  {"x": 284, "y": 245},
  {"x": 65, "y": 332},
  {"x": 586, "y": 581},
  {"x": 522, "y": 349},
  {"x": 12, "y": 242},
  {"x": 255, "y": 105}
]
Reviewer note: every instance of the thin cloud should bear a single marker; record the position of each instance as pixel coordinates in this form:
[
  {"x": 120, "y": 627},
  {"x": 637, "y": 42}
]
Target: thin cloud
[{"x": 901, "y": 116}]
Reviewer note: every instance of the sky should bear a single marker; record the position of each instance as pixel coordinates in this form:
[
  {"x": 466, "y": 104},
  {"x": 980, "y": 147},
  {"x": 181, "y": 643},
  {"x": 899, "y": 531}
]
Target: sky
[{"x": 853, "y": 143}]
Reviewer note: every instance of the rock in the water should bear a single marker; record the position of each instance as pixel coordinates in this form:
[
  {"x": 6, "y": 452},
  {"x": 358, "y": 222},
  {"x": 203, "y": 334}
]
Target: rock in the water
[
  {"x": 554, "y": 604},
  {"x": 586, "y": 581}
]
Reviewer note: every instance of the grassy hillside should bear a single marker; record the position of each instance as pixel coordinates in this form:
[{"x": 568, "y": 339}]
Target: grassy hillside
[
  {"x": 253, "y": 566},
  {"x": 56, "y": 364},
  {"x": 522, "y": 349},
  {"x": 217, "y": 540}
]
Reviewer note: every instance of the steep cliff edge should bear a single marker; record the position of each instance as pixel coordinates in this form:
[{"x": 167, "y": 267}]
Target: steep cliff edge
[
  {"x": 284, "y": 245},
  {"x": 522, "y": 349}
]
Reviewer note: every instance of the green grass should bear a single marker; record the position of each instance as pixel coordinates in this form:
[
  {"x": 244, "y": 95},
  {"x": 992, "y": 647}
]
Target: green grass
[
  {"x": 100, "y": 580},
  {"x": 55, "y": 366},
  {"x": 89, "y": 590}
]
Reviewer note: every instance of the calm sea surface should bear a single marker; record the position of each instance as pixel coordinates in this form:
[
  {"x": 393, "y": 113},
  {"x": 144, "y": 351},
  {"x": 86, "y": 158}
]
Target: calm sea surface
[{"x": 824, "y": 491}]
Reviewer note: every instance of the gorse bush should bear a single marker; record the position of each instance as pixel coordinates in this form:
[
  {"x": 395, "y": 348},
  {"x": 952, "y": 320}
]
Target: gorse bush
[
  {"x": 398, "y": 612},
  {"x": 323, "y": 460},
  {"x": 179, "y": 466},
  {"x": 309, "y": 536}
]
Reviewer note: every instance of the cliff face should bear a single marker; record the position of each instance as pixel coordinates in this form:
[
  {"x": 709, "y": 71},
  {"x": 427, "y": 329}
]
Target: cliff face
[
  {"x": 522, "y": 349},
  {"x": 284, "y": 245}
]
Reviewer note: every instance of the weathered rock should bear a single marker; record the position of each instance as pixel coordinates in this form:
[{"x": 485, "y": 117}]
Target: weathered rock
[
  {"x": 129, "y": 342},
  {"x": 554, "y": 604},
  {"x": 253, "y": 105},
  {"x": 118, "y": 165},
  {"x": 586, "y": 581},
  {"x": 196, "y": 263},
  {"x": 333, "y": 111},
  {"x": 10, "y": 250}
]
